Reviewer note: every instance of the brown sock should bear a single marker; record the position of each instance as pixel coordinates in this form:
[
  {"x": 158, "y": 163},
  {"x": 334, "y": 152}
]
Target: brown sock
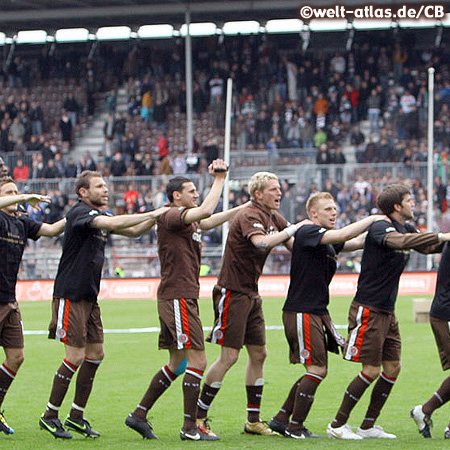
[
  {"x": 441, "y": 396},
  {"x": 352, "y": 395},
  {"x": 254, "y": 397},
  {"x": 380, "y": 394},
  {"x": 160, "y": 382},
  {"x": 6, "y": 378},
  {"x": 191, "y": 391},
  {"x": 85, "y": 380},
  {"x": 304, "y": 398},
  {"x": 288, "y": 406},
  {"x": 61, "y": 383},
  {"x": 207, "y": 396}
]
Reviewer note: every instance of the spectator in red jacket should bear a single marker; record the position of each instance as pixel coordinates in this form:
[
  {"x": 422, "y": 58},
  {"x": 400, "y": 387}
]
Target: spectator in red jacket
[
  {"x": 163, "y": 146},
  {"x": 21, "y": 171}
]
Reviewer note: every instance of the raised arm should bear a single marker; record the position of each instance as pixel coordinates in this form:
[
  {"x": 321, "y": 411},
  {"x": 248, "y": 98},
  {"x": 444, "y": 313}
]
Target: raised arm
[
  {"x": 32, "y": 199},
  {"x": 144, "y": 227},
  {"x": 425, "y": 243},
  {"x": 219, "y": 218},
  {"x": 116, "y": 223},
  {"x": 269, "y": 241},
  {"x": 350, "y": 231},
  {"x": 52, "y": 229},
  {"x": 356, "y": 243},
  {"x": 218, "y": 169}
]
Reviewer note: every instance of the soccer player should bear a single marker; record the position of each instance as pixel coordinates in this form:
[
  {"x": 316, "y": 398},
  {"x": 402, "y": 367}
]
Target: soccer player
[
  {"x": 374, "y": 338},
  {"x": 14, "y": 231},
  {"x": 309, "y": 329},
  {"x": 179, "y": 234},
  {"x": 239, "y": 318},
  {"x": 440, "y": 321},
  {"x": 76, "y": 319}
]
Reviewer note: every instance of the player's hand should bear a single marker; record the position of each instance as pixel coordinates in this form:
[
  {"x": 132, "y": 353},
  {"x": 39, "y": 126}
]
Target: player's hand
[
  {"x": 377, "y": 217},
  {"x": 304, "y": 222},
  {"x": 34, "y": 200},
  {"x": 159, "y": 212},
  {"x": 218, "y": 168}
]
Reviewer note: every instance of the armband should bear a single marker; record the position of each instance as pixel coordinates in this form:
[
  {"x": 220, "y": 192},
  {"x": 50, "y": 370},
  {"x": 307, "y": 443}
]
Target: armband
[{"x": 290, "y": 230}]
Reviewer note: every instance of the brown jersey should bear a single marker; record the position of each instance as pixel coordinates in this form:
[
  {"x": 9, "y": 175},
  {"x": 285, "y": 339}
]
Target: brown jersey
[
  {"x": 243, "y": 262},
  {"x": 179, "y": 249}
]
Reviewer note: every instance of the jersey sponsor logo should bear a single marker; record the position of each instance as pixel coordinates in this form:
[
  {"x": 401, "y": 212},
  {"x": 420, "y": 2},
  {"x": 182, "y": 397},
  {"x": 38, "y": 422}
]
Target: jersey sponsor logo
[
  {"x": 218, "y": 334},
  {"x": 197, "y": 236},
  {"x": 354, "y": 350},
  {"x": 183, "y": 338},
  {"x": 305, "y": 353},
  {"x": 258, "y": 225},
  {"x": 93, "y": 212},
  {"x": 389, "y": 229}
]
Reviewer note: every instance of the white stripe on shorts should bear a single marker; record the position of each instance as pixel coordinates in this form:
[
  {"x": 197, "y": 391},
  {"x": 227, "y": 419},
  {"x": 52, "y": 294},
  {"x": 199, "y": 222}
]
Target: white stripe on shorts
[
  {"x": 178, "y": 324},
  {"x": 354, "y": 334},
  {"x": 214, "y": 339},
  {"x": 59, "y": 323},
  {"x": 301, "y": 343}
]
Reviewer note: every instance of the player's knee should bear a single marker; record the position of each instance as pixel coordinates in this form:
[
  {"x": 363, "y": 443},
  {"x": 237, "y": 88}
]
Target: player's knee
[
  {"x": 229, "y": 359},
  {"x": 260, "y": 356},
  {"x": 15, "y": 361},
  {"x": 372, "y": 372},
  {"x": 99, "y": 356},
  {"x": 393, "y": 369}
]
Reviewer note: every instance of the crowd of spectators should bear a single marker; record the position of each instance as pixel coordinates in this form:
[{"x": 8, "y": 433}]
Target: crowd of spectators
[
  {"x": 283, "y": 97},
  {"x": 371, "y": 100}
]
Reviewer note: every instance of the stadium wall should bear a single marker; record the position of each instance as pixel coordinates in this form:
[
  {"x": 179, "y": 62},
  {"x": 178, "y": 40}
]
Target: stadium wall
[{"x": 411, "y": 283}]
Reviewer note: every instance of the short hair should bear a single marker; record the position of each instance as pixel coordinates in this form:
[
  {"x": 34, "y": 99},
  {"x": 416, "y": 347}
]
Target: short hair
[
  {"x": 315, "y": 198},
  {"x": 175, "y": 184},
  {"x": 84, "y": 180},
  {"x": 390, "y": 196},
  {"x": 258, "y": 182},
  {"x": 5, "y": 180}
]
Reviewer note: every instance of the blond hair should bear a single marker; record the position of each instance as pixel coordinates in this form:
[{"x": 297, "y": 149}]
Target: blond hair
[
  {"x": 258, "y": 182},
  {"x": 315, "y": 198}
]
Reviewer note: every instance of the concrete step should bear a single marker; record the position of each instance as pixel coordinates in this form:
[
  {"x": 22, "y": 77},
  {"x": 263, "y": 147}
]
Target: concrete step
[{"x": 91, "y": 140}]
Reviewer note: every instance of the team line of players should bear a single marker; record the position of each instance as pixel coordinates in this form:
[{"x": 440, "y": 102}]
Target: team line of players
[{"x": 255, "y": 228}]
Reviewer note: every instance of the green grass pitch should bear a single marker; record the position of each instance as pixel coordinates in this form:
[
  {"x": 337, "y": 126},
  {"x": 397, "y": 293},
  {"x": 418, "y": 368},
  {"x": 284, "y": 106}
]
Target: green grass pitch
[{"x": 132, "y": 359}]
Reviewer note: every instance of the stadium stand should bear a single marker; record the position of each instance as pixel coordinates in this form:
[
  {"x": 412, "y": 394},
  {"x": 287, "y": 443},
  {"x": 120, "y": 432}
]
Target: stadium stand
[{"x": 345, "y": 121}]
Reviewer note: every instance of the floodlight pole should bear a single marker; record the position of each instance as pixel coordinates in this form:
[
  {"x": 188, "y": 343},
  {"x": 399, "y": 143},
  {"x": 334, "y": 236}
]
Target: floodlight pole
[
  {"x": 226, "y": 157},
  {"x": 430, "y": 157},
  {"x": 189, "y": 112}
]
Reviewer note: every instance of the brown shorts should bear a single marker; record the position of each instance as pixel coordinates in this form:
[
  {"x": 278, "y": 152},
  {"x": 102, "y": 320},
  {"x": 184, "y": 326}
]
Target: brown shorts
[
  {"x": 441, "y": 330},
  {"x": 239, "y": 319},
  {"x": 76, "y": 323},
  {"x": 11, "y": 326},
  {"x": 181, "y": 327},
  {"x": 309, "y": 337},
  {"x": 373, "y": 336}
]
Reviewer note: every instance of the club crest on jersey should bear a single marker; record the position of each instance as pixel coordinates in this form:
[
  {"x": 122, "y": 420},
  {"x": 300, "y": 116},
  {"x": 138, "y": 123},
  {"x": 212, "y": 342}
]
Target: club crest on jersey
[
  {"x": 218, "y": 334},
  {"x": 183, "y": 338},
  {"x": 354, "y": 350}
]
